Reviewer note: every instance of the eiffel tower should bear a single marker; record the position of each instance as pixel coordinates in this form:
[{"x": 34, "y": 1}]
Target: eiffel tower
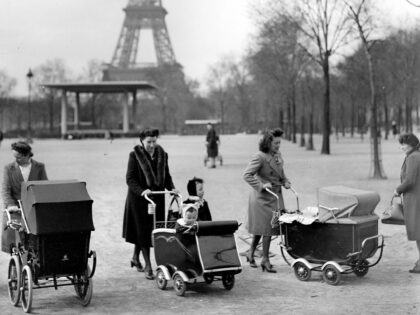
[{"x": 143, "y": 15}]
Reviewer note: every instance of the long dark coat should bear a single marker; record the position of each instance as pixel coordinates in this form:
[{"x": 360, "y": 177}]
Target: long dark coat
[
  {"x": 144, "y": 173},
  {"x": 410, "y": 189},
  {"x": 264, "y": 168},
  {"x": 212, "y": 143}
]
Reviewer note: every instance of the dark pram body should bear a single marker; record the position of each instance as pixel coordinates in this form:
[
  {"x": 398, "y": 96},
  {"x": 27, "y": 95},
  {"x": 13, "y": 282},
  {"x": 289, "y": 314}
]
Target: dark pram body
[
  {"x": 340, "y": 241},
  {"x": 210, "y": 252},
  {"x": 52, "y": 240}
]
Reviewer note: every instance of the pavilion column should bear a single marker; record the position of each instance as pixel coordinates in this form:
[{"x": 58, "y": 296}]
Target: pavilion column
[
  {"x": 126, "y": 123},
  {"x": 76, "y": 112},
  {"x": 63, "y": 113}
]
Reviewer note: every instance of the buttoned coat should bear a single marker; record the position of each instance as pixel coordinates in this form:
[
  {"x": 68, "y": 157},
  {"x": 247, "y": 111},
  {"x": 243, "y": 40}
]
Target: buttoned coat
[
  {"x": 264, "y": 168},
  {"x": 410, "y": 190},
  {"x": 12, "y": 180}
]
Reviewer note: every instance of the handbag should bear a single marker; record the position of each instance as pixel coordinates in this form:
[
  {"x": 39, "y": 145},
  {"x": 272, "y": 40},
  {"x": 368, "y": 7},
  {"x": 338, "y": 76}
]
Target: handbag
[
  {"x": 394, "y": 214},
  {"x": 173, "y": 214}
]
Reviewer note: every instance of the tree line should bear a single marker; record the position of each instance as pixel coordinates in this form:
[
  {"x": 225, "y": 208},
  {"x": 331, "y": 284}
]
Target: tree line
[{"x": 314, "y": 66}]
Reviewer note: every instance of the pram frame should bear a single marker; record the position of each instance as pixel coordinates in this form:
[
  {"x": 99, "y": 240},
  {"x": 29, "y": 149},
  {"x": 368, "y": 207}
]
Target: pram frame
[
  {"x": 331, "y": 270},
  {"x": 27, "y": 277},
  {"x": 181, "y": 278}
]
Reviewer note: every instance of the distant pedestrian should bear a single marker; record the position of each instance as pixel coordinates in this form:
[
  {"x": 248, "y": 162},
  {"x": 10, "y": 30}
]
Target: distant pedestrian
[
  {"x": 212, "y": 143},
  {"x": 1, "y": 137},
  {"x": 394, "y": 128}
]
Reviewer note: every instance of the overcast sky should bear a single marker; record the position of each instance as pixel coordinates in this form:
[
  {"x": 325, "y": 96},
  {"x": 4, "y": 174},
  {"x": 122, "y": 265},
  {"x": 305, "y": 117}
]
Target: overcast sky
[{"x": 201, "y": 31}]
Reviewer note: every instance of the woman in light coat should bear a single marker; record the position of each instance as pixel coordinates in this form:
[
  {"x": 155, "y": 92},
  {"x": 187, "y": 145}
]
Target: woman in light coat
[
  {"x": 410, "y": 190},
  {"x": 265, "y": 170}
]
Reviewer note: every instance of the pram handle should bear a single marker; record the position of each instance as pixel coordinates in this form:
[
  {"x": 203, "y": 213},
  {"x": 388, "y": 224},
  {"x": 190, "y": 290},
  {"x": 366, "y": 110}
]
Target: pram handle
[
  {"x": 162, "y": 192},
  {"x": 13, "y": 223},
  {"x": 277, "y": 197}
]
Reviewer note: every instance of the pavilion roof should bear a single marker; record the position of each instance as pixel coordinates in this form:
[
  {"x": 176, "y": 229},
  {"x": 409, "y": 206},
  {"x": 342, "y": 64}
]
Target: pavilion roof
[{"x": 102, "y": 87}]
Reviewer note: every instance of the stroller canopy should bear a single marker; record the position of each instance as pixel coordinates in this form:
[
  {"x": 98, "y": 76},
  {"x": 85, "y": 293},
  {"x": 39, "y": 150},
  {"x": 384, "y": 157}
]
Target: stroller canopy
[
  {"x": 52, "y": 207},
  {"x": 343, "y": 202}
]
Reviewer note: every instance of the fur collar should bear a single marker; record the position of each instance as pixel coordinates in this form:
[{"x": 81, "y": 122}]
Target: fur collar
[{"x": 154, "y": 181}]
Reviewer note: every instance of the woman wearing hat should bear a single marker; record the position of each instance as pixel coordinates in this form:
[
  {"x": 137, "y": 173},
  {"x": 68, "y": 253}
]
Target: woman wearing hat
[
  {"x": 147, "y": 171},
  {"x": 24, "y": 168},
  {"x": 410, "y": 190}
]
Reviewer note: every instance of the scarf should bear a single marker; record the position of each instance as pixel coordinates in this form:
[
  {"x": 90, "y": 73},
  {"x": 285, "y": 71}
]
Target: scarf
[{"x": 154, "y": 181}]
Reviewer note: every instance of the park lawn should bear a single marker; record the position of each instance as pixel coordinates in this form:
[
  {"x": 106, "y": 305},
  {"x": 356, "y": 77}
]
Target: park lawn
[{"x": 102, "y": 165}]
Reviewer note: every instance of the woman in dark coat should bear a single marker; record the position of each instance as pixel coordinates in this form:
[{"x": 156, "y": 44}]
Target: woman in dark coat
[
  {"x": 147, "y": 171},
  {"x": 212, "y": 143},
  {"x": 265, "y": 170},
  {"x": 410, "y": 190}
]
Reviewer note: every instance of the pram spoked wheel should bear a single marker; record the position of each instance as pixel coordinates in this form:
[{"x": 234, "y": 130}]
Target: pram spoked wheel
[
  {"x": 84, "y": 287},
  {"x": 161, "y": 280},
  {"x": 27, "y": 292},
  {"x": 14, "y": 279},
  {"x": 361, "y": 269},
  {"x": 180, "y": 285},
  {"x": 331, "y": 274},
  {"x": 228, "y": 281},
  {"x": 302, "y": 272}
]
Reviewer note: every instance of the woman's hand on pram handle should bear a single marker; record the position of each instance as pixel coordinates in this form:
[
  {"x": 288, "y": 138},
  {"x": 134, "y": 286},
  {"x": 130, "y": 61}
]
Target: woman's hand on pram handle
[
  {"x": 146, "y": 192},
  {"x": 175, "y": 192},
  {"x": 267, "y": 186},
  {"x": 287, "y": 185}
]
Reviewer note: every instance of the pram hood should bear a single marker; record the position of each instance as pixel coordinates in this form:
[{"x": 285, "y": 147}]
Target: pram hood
[
  {"x": 342, "y": 202},
  {"x": 60, "y": 206}
]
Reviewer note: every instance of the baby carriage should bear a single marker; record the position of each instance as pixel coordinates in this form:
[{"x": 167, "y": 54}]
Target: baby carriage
[
  {"x": 52, "y": 241},
  {"x": 218, "y": 159},
  {"x": 209, "y": 253},
  {"x": 339, "y": 240}
]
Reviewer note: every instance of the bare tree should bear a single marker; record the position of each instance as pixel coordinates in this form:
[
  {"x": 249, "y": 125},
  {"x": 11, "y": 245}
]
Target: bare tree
[
  {"x": 325, "y": 29},
  {"x": 359, "y": 11},
  {"x": 52, "y": 71},
  {"x": 217, "y": 82},
  {"x": 7, "y": 84}
]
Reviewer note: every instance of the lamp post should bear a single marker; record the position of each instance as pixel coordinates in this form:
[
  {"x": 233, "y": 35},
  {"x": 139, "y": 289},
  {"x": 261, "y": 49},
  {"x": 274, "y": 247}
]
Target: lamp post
[{"x": 29, "y": 75}]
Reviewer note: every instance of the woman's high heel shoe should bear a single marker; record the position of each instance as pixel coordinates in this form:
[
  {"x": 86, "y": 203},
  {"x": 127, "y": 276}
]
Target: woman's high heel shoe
[
  {"x": 251, "y": 261},
  {"x": 266, "y": 266},
  {"x": 148, "y": 273},
  {"x": 136, "y": 264}
]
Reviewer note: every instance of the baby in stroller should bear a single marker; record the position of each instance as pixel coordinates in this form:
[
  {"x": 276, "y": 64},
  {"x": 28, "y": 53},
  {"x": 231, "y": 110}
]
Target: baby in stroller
[
  {"x": 195, "y": 188},
  {"x": 188, "y": 222}
]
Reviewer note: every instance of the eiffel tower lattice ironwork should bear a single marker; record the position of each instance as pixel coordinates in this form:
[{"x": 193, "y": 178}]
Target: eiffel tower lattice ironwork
[{"x": 142, "y": 15}]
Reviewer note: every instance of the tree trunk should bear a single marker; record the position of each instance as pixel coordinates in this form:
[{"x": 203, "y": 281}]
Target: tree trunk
[
  {"x": 352, "y": 120},
  {"x": 378, "y": 172},
  {"x": 327, "y": 124}
]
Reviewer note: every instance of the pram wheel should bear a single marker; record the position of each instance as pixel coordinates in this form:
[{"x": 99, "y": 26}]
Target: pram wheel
[
  {"x": 13, "y": 279},
  {"x": 228, "y": 281},
  {"x": 26, "y": 289},
  {"x": 84, "y": 287},
  {"x": 361, "y": 269},
  {"x": 179, "y": 285},
  {"x": 331, "y": 275},
  {"x": 302, "y": 272},
  {"x": 208, "y": 278},
  {"x": 161, "y": 280}
]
